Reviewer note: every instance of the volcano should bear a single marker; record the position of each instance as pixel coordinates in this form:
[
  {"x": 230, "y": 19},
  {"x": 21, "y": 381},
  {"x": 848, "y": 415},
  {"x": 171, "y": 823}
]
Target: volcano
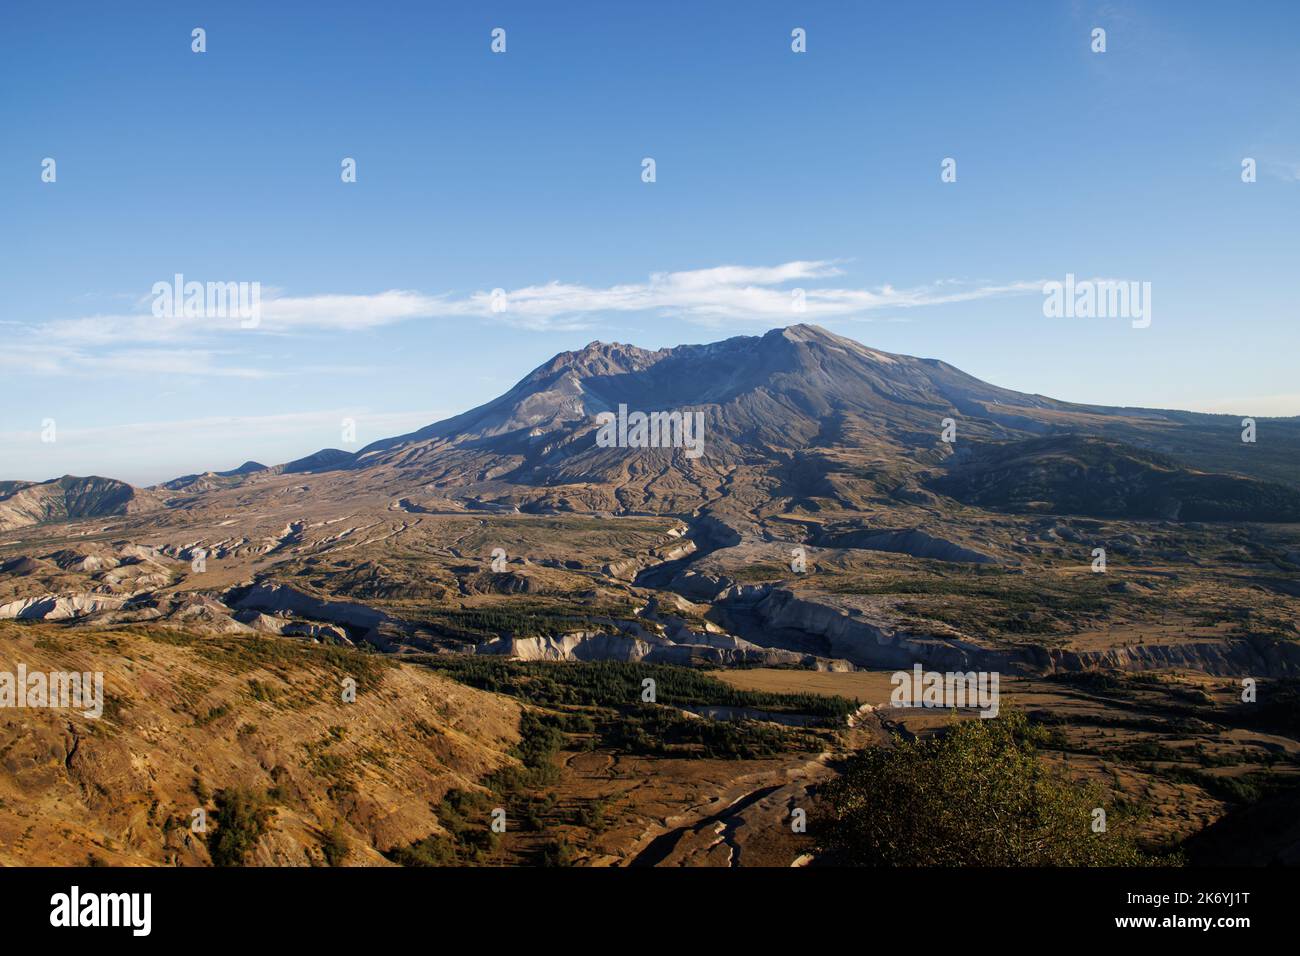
[{"x": 801, "y": 418}]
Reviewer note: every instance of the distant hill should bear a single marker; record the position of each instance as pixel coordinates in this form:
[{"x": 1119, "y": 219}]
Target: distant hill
[
  {"x": 325, "y": 460},
  {"x": 212, "y": 479},
  {"x": 70, "y": 497},
  {"x": 1075, "y": 474}
]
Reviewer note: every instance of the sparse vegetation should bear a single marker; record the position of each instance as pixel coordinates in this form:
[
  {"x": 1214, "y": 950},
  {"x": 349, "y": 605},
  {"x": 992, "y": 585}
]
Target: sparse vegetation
[{"x": 466, "y": 815}]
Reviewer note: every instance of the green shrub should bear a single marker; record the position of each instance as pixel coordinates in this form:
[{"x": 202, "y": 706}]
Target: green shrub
[
  {"x": 976, "y": 796},
  {"x": 556, "y": 853},
  {"x": 241, "y": 819}
]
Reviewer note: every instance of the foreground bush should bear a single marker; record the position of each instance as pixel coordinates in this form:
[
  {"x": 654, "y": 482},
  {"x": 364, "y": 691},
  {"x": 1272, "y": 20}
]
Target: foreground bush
[
  {"x": 242, "y": 818},
  {"x": 976, "y": 796}
]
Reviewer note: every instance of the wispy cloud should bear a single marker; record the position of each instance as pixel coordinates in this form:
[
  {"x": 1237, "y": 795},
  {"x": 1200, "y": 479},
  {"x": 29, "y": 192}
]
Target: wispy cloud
[
  {"x": 55, "y": 358},
  {"x": 722, "y": 295},
  {"x": 731, "y": 295}
]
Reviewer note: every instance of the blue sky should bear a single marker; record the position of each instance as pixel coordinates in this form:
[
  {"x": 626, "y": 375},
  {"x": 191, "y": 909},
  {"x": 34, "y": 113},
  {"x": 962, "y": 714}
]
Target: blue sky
[{"x": 522, "y": 171}]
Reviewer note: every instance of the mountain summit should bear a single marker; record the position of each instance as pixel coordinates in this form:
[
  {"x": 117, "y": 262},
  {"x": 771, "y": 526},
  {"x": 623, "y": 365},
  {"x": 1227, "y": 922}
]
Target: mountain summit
[
  {"x": 771, "y": 394},
  {"x": 797, "y": 414}
]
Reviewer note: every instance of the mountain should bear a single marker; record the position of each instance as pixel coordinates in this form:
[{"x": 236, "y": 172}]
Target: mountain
[
  {"x": 798, "y": 417},
  {"x": 67, "y": 498},
  {"x": 783, "y": 391}
]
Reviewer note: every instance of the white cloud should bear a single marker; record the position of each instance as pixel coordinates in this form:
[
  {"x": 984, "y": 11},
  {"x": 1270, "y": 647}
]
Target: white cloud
[
  {"x": 713, "y": 296},
  {"x": 719, "y": 296}
]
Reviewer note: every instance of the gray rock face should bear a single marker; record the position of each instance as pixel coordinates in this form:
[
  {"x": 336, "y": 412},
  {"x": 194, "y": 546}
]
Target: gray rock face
[
  {"x": 273, "y": 598},
  {"x": 55, "y": 608},
  {"x": 685, "y": 648},
  {"x": 1227, "y": 659},
  {"x": 876, "y": 643},
  {"x": 869, "y": 643}
]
